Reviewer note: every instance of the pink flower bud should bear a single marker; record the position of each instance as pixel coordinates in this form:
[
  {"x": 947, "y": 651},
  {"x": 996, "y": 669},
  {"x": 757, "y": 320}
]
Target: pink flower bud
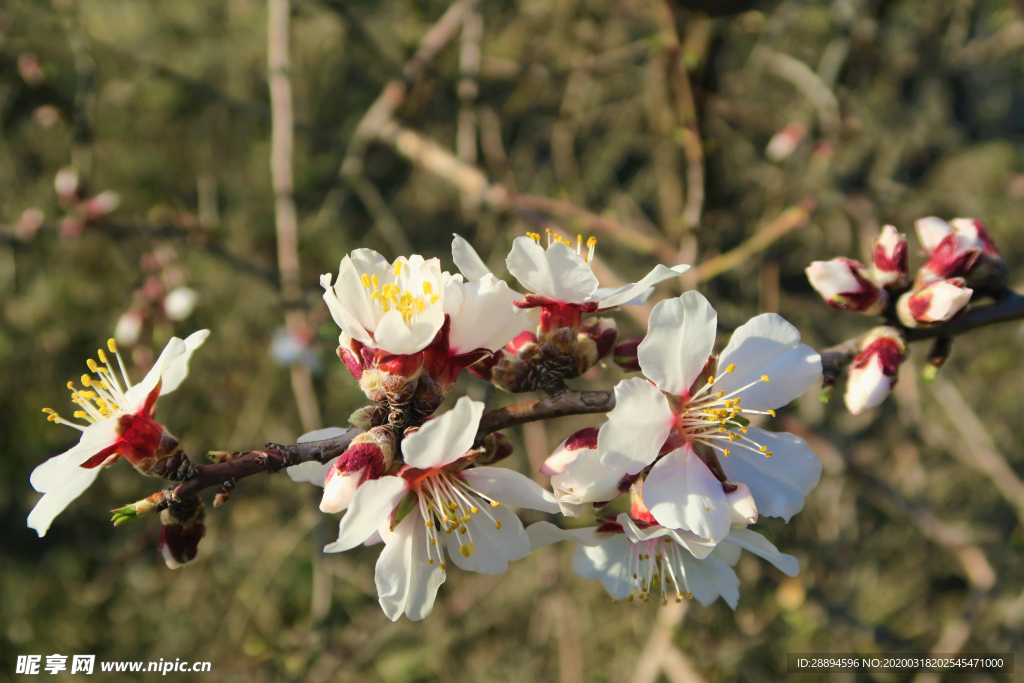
[
  {"x": 182, "y": 529},
  {"x": 889, "y": 259},
  {"x": 845, "y": 284},
  {"x": 961, "y": 248},
  {"x": 30, "y": 222},
  {"x": 603, "y": 332},
  {"x": 559, "y": 461},
  {"x": 179, "y": 303},
  {"x": 742, "y": 510},
  {"x": 874, "y": 370},
  {"x": 935, "y": 302},
  {"x": 626, "y": 355},
  {"x": 129, "y": 327},
  {"x": 101, "y": 205},
  {"x": 785, "y": 142},
  {"x": 368, "y": 457},
  {"x": 931, "y": 231}
]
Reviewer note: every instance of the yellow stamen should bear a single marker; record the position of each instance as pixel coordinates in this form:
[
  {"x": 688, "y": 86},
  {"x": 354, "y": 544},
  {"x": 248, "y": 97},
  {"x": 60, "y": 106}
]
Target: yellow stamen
[
  {"x": 497, "y": 524},
  {"x": 732, "y": 366},
  {"x": 112, "y": 345},
  {"x": 103, "y": 356},
  {"x": 92, "y": 365},
  {"x": 765, "y": 378},
  {"x": 49, "y": 411},
  {"x": 725, "y": 452},
  {"x": 771, "y": 412}
]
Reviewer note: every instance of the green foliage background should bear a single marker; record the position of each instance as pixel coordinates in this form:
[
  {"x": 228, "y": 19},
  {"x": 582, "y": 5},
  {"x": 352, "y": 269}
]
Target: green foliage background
[{"x": 158, "y": 99}]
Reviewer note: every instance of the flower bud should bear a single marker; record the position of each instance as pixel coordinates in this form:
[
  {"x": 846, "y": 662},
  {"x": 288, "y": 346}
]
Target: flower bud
[
  {"x": 495, "y": 447},
  {"x": 179, "y": 303},
  {"x": 368, "y": 457},
  {"x": 742, "y": 510},
  {"x": 845, "y": 284},
  {"x": 889, "y": 259},
  {"x": 559, "y": 461},
  {"x": 181, "y": 532},
  {"x": 961, "y": 248},
  {"x": 603, "y": 332},
  {"x": 101, "y": 205},
  {"x": 368, "y": 417},
  {"x": 874, "y": 370},
  {"x": 785, "y": 142},
  {"x": 935, "y": 302},
  {"x": 626, "y": 354}
]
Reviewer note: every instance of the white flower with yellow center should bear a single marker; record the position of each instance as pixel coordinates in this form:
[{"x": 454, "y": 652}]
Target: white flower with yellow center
[
  {"x": 681, "y": 409},
  {"x": 635, "y": 561},
  {"x": 561, "y": 273},
  {"x": 396, "y": 307},
  {"x": 433, "y": 507},
  {"x": 117, "y": 421}
]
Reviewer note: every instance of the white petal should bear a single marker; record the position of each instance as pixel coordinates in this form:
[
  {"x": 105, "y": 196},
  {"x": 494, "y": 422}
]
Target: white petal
[
  {"x": 373, "y": 503},
  {"x": 682, "y": 493},
  {"x": 494, "y": 548},
  {"x": 445, "y": 439},
  {"x": 395, "y": 336},
  {"x": 343, "y": 318},
  {"x": 486, "y": 319},
  {"x": 322, "y": 434},
  {"x": 72, "y": 484},
  {"x": 728, "y": 553},
  {"x": 626, "y": 295},
  {"x": 605, "y": 562},
  {"x": 778, "y": 483},
  {"x": 467, "y": 260},
  {"x": 768, "y": 345},
  {"x": 556, "y": 272},
  {"x": 636, "y": 428},
  {"x": 176, "y": 369},
  {"x": 698, "y": 547},
  {"x": 94, "y": 439},
  {"x": 866, "y": 387},
  {"x": 710, "y": 578},
  {"x": 137, "y": 393},
  {"x": 586, "y": 480},
  {"x": 312, "y": 471},
  {"x": 545, "y": 533},
  {"x": 742, "y": 509},
  {"x": 510, "y": 488},
  {"x": 406, "y": 584},
  {"x": 762, "y": 547},
  {"x": 640, "y": 299},
  {"x": 680, "y": 339},
  {"x": 340, "y": 491},
  {"x": 931, "y": 231}
]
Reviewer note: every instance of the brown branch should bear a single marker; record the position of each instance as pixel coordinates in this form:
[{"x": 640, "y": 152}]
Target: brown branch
[
  {"x": 276, "y": 457},
  {"x": 835, "y": 358}
]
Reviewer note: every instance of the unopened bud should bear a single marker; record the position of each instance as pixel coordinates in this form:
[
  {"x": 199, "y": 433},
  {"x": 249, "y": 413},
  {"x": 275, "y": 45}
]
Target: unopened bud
[
  {"x": 603, "y": 332},
  {"x": 845, "y": 284},
  {"x": 874, "y": 370},
  {"x": 935, "y": 302},
  {"x": 183, "y": 528},
  {"x": 368, "y": 417},
  {"x": 889, "y": 259},
  {"x": 559, "y": 461},
  {"x": 128, "y": 328},
  {"x": 101, "y": 204},
  {"x": 179, "y": 303},
  {"x": 626, "y": 354},
  {"x": 368, "y": 457},
  {"x": 66, "y": 185},
  {"x": 785, "y": 142},
  {"x": 961, "y": 248}
]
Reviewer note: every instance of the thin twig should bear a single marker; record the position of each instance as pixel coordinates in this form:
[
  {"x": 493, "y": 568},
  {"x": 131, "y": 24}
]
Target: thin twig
[{"x": 286, "y": 219}]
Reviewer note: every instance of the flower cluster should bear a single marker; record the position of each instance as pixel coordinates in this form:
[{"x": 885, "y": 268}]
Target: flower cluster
[
  {"x": 680, "y": 442},
  {"x": 962, "y": 264},
  {"x": 684, "y": 448}
]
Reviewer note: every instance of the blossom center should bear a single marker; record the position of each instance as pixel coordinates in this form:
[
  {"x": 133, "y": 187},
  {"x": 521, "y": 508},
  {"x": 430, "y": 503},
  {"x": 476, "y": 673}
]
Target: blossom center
[
  {"x": 656, "y": 563},
  {"x": 447, "y": 504},
  {"x": 554, "y": 237},
  {"x": 103, "y": 396},
  {"x": 716, "y": 419},
  {"x": 401, "y": 295}
]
